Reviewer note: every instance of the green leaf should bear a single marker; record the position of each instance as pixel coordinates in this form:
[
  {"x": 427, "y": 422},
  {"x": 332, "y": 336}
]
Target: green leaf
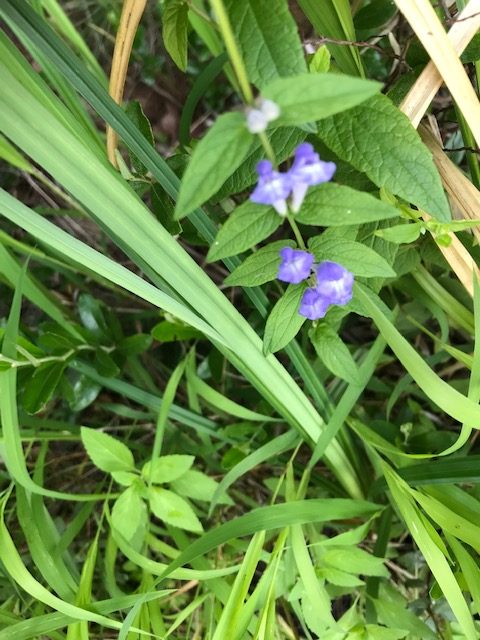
[
  {"x": 214, "y": 159},
  {"x": 284, "y": 321},
  {"x": 173, "y": 331},
  {"x": 390, "y": 614},
  {"x": 268, "y": 39},
  {"x": 106, "y": 453},
  {"x": 401, "y": 233},
  {"x": 175, "y": 31},
  {"x": 198, "y": 486},
  {"x": 320, "y": 61},
  {"x": 308, "y": 97},
  {"x": 339, "y": 578},
  {"x": 355, "y": 560},
  {"x": 260, "y": 267},
  {"x": 337, "y": 205},
  {"x": 135, "y": 345},
  {"x": 125, "y": 478},
  {"x": 354, "y": 256},
  {"x": 248, "y": 225},
  {"x": 135, "y": 113},
  {"x": 41, "y": 386},
  {"x": 283, "y": 141},
  {"x": 129, "y": 517},
  {"x": 105, "y": 365},
  {"x": 377, "y": 138},
  {"x": 174, "y": 510},
  {"x": 333, "y": 18},
  {"x": 167, "y": 468},
  {"x": 334, "y": 353}
]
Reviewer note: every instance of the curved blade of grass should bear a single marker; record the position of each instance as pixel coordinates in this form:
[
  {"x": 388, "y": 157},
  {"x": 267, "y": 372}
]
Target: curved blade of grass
[
  {"x": 436, "y": 561},
  {"x": 18, "y": 572},
  {"x": 470, "y": 569},
  {"x": 274, "y": 517},
  {"x": 441, "y": 393}
]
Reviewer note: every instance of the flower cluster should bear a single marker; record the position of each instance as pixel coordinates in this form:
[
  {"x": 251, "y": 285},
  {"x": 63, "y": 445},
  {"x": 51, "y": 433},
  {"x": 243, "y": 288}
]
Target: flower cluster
[
  {"x": 274, "y": 187},
  {"x": 333, "y": 283}
]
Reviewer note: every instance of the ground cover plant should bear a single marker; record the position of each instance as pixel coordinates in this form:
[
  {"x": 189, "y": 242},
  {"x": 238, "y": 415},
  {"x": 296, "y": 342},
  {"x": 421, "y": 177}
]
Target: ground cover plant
[{"x": 239, "y": 319}]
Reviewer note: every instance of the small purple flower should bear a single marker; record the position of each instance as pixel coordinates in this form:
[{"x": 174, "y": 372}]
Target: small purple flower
[
  {"x": 307, "y": 170},
  {"x": 334, "y": 286},
  {"x": 313, "y": 305},
  {"x": 273, "y": 187},
  {"x": 295, "y": 266}
]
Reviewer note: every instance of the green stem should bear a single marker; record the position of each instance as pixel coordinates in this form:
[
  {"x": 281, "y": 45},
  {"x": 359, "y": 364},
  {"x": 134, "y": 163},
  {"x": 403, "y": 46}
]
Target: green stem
[
  {"x": 270, "y": 153},
  {"x": 296, "y": 231},
  {"x": 232, "y": 49}
]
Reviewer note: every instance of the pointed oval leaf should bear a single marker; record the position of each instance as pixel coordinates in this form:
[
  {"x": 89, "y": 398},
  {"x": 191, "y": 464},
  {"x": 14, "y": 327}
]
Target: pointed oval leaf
[
  {"x": 129, "y": 516},
  {"x": 284, "y": 321},
  {"x": 106, "y": 453},
  {"x": 167, "y": 468},
  {"x": 334, "y": 353},
  {"x": 260, "y": 267},
  {"x": 174, "y": 510},
  {"x": 214, "y": 159}
]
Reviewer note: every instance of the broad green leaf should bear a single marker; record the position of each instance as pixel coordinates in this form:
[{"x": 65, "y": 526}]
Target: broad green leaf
[
  {"x": 334, "y": 353},
  {"x": 175, "y": 31},
  {"x": 173, "y": 331},
  {"x": 107, "y": 453},
  {"x": 214, "y": 159},
  {"x": 339, "y": 578},
  {"x": 268, "y": 39},
  {"x": 125, "y": 478},
  {"x": 129, "y": 516},
  {"x": 354, "y": 256},
  {"x": 135, "y": 345},
  {"x": 401, "y": 233},
  {"x": 354, "y": 560},
  {"x": 260, "y": 267},
  {"x": 105, "y": 364},
  {"x": 41, "y": 386},
  {"x": 167, "y": 468},
  {"x": 377, "y": 138},
  {"x": 284, "y": 321},
  {"x": 199, "y": 486},
  {"x": 337, "y": 205},
  {"x": 376, "y": 632},
  {"x": 248, "y": 225},
  {"x": 308, "y": 97},
  {"x": 283, "y": 141},
  {"x": 173, "y": 509}
]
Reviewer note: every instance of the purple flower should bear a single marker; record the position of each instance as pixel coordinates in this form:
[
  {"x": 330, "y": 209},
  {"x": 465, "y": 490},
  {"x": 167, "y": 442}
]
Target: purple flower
[
  {"x": 273, "y": 187},
  {"x": 334, "y": 282},
  {"x": 307, "y": 170},
  {"x": 295, "y": 266},
  {"x": 313, "y": 305},
  {"x": 334, "y": 286}
]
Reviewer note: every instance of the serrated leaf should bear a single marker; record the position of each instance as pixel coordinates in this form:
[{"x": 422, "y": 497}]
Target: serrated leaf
[
  {"x": 175, "y": 31},
  {"x": 334, "y": 353},
  {"x": 248, "y": 225},
  {"x": 41, "y": 386},
  {"x": 129, "y": 517},
  {"x": 107, "y": 453},
  {"x": 267, "y": 37},
  {"x": 375, "y": 137},
  {"x": 167, "y": 468},
  {"x": 283, "y": 141},
  {"x": 284, "y": 321},
  {"x": 390, "y": 614},
  {"x": 309, "y": 97},
  {"x": 198, "y": 486},
  {"x": 214, "y": 159},
  {"x": 260, "y": 267},
  {"x": 356, "y": 257},
  {"x": 173, "y": 509},
  {"x": 337, "y": 205}
]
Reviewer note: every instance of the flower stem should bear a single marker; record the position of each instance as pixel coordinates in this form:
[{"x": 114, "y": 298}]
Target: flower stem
[
  {"x": 297, "y": 233},
  {"x": 232, "y": 49},
  {"x": 270, "y": 153}
]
